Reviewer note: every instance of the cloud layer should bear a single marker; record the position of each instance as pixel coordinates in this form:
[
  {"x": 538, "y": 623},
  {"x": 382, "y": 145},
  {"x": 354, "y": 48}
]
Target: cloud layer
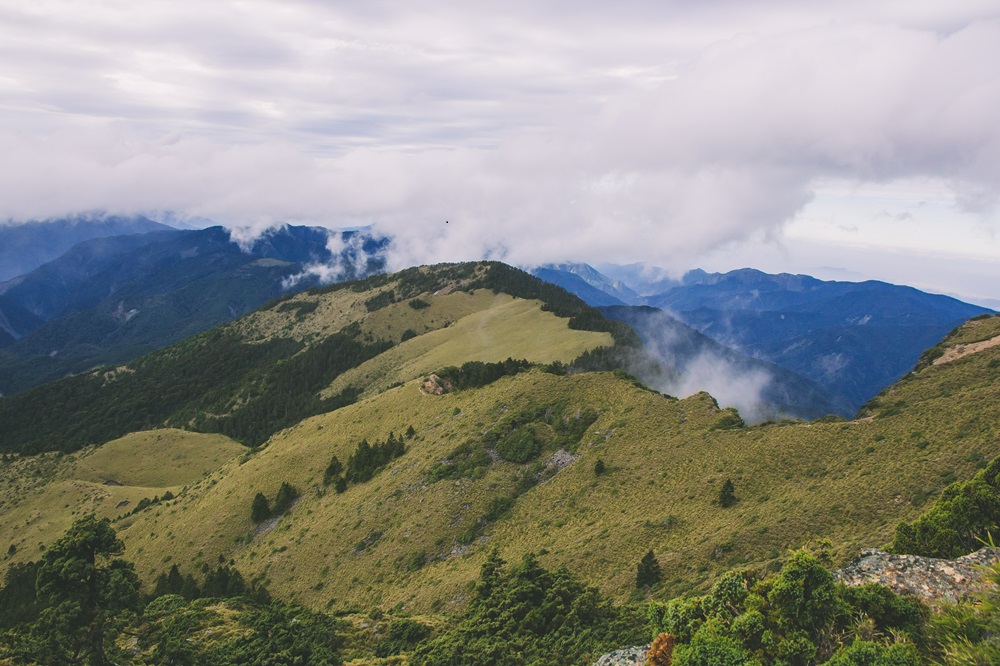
[{"x": 646, "y": 131}]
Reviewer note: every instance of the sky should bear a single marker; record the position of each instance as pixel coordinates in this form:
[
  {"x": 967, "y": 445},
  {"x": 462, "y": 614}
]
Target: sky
[{"x": 849, "y": 139}]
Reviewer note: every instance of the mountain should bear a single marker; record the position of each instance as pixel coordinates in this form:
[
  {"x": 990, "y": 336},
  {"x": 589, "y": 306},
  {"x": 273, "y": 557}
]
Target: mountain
[
  {"x": 397, "y": 448},
  {"x": 24, "y": 246},
  {"x": 854, "y": 338},
  {"x": 851, "y": 338},
  {"x": 108, "y": 300},
  {"x": 759, "y": 390},
  {"x": 574, "y": 284},
  {"x": 617, "y": 290}
]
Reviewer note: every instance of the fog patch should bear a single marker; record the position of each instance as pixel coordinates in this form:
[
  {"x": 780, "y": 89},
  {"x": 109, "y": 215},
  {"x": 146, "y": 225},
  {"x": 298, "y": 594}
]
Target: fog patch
[{"x": 730, "y": 386}]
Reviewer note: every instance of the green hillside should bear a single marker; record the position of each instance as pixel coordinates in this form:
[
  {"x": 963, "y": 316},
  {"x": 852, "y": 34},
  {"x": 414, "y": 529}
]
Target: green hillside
[
  {"x": 250, "y": 378},
  {"x": 394, "y": 498}
]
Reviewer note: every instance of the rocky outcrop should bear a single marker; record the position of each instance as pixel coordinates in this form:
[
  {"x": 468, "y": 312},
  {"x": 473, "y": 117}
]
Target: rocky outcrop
[
  {"x": 932, "y": 580},
  {"x": 633, "y": 656}
]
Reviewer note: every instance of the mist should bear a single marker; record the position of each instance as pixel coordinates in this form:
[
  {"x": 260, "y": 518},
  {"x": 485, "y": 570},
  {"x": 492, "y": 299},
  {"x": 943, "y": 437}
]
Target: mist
[{"x": 693, "y": 362}]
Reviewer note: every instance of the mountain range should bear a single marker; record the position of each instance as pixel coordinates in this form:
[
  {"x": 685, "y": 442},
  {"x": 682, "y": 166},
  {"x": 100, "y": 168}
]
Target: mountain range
[
  {"x": 110, "y": 299},
  {"x": 814, "y": 346},
  {"x": 851, "y": 338},
  {"x": 24, "y": 246}
]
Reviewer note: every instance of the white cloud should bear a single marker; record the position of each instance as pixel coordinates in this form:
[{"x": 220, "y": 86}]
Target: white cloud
[{"x": 647, "y": 131}]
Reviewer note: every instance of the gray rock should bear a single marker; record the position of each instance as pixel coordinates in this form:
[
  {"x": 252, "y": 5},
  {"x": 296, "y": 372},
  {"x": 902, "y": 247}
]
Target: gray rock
[
  {"x": 632, "y": 656},
  {"x": 932, "y": 580}
]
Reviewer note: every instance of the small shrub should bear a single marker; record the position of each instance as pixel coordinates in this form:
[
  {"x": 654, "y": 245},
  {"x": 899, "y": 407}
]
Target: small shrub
[
  {"x": 600, "y": 467},
  {"x": 661, "y": 652}
]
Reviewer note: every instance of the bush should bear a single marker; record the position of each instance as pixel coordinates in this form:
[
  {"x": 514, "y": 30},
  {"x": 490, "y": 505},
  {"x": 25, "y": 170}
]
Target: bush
[
  {"x": 519, "y": 446},
  {"x": 797, "y": 616},
  {"x": 529, "y": 615},
  {"x": 661, "y": 652},
  {"x": 402, "y": 636},
  {"x": 961, "y": 519}
]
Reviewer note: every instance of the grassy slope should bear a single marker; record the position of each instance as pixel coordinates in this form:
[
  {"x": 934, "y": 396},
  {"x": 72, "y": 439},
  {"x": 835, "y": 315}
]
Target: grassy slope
[
  {"x": 850, "y": 482},
  {"x": 462, "y": 326},
  {"x": 40, "y": 496},
  {"x": 487, "y": 327}
]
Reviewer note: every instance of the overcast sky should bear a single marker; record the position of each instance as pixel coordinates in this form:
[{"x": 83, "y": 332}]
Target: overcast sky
[{"x": 859, "y": 138}]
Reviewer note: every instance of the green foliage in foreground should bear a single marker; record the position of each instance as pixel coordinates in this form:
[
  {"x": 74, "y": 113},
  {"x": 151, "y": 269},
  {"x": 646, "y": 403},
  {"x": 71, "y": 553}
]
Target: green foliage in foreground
[
  {"x": 799, "y": 616},
  {"x": 962, "y": 519},
  {"x": 173, "y": 631},
  {"x": 528, "y": 615},
  {"x": 86, "y": 596}
]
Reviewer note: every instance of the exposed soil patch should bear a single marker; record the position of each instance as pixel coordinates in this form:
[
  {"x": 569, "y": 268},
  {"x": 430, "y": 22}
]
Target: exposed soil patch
[
  {"x": 961, "y": 351},
  {"x": 434, "y": 385}
]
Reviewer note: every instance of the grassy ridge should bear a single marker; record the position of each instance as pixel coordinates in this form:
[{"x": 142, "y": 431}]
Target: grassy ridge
[
  {"x": 397, "y": 538},
  {"x": 251, "y": 378},
  {"x": 401, "y": 538}
]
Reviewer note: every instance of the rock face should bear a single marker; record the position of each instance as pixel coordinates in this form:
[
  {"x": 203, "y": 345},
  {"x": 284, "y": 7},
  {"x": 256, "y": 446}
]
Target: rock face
[
  {"x": 930, "y": 579},
  {"x": 633, "y": 656}
]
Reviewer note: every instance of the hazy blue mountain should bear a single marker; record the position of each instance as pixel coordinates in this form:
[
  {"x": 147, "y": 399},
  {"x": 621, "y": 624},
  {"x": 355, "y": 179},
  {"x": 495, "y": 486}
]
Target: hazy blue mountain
[
  {"x": 26, "y": 246},
  {"x": 108, "y": 300},
  {"x": 852, "y": 338},
  {"x": 613, "y": 287},
  {"x": 576, "y": 285},
  {"x": 760, "y": 390}
]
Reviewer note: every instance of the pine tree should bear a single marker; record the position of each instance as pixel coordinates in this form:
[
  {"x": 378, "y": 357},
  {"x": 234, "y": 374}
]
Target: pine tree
[
  {"x": 88, "y": 592},
  {"x": 727, "y": 494},
  {"x": 286, "y": 495},
  {"x": 260, "y": 510},
  {"x": 648, "y": 571}
]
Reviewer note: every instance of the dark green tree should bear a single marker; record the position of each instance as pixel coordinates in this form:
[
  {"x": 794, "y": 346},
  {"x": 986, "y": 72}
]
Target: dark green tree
[
  {"x": 89, "y": 594},
  {"x": 648, "y": 571},
  {"x": 260, "y": 510},
  {"x": 727, "y": 494},
  {"x": 600, "y": 467},
  {"x": 287, "y": 494},
  {"x": 333, "y": 470}
]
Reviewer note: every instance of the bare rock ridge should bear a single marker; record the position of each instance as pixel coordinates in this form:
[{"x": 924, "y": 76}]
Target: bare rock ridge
[{"x": 930, "y": 579}]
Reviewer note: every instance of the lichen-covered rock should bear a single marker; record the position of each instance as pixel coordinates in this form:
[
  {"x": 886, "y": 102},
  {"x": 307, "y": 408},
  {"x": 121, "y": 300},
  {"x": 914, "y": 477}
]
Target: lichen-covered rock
[
  {"x": 633, "y": 656},
  {"x": 931, "y": 579}
]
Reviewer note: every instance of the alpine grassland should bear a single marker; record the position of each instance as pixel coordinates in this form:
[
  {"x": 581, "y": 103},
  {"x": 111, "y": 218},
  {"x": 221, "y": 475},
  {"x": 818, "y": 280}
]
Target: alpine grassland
[{"x": 393, "y": 496}]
